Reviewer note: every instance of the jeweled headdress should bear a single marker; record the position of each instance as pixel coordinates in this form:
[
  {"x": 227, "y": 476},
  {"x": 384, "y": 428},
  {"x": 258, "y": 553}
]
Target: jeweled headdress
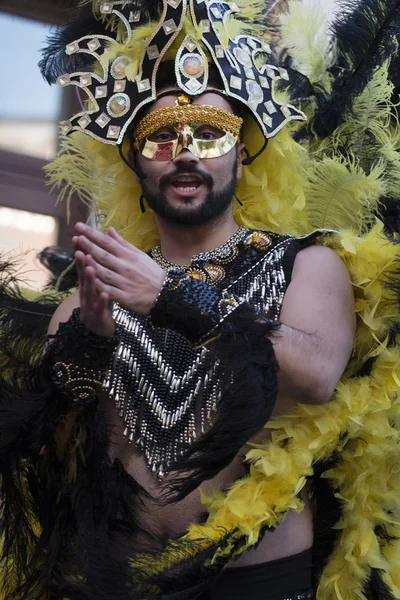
[
  {"x": 121, "y": 56},
  {"x": 124, "y": 78}
]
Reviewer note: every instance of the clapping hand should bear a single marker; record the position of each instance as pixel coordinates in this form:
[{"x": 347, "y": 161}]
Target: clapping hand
[{"x": 111, "y": 269}]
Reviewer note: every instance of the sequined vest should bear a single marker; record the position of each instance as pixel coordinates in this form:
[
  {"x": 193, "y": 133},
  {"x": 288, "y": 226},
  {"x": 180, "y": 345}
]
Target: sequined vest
[{"x": 166, "y": 390}]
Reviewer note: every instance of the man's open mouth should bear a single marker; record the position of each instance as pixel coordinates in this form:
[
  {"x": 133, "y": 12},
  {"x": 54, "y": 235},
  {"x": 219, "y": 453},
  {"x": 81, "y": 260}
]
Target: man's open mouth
[{"x": 187, "y": 183}]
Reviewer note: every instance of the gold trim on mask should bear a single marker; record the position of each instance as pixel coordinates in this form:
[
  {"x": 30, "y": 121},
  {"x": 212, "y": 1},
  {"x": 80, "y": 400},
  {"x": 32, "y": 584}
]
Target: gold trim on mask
[
  {"x": 164, "y": 151},
  {"x": 190, "y": 113}
]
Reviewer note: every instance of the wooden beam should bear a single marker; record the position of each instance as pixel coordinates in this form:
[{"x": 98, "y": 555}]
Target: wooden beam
[{"x": 49, "y": 11}]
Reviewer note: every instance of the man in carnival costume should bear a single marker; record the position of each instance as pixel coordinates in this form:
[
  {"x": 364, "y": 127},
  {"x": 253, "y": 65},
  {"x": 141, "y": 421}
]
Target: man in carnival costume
[{"x": 213, "y": 299}]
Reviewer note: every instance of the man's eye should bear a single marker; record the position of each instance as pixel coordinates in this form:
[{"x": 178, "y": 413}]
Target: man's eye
[
  {"x": 162, "y": 135},
  {"x": 208, "y": 133}
]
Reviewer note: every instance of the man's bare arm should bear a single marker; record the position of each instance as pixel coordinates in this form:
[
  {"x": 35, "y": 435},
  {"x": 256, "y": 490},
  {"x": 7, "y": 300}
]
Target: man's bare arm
[
  {"x": 315, "y": 341},
  {"x": 316, "y": 337}
]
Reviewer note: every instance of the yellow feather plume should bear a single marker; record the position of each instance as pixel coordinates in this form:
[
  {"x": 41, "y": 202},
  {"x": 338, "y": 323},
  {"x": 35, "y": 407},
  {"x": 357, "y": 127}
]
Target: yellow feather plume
[
  {"x": 373, "y": 264},
  {"x": 371, "y": 113},
  {"x": 305, "y": 33},
  {"x": 73, "y": 171},
  {"x": 340, "y": 195}
]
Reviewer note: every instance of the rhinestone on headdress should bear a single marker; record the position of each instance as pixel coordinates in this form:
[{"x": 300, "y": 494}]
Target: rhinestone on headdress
[
  {"x": 190, "y": 43},
  {"x": 193, "y": 85},
  {"x": 72, "y": 48},
  {"x": 113, "y": 132},
  {"x": 192, "y": 66},
  {"x": 143, "y": 85},
  {"x": 267, "y": 120},
  {"x": 205, "y": 26},
  {"x": 285, "y": 111},
  {"x": 94, "y": 45},
  {"x": 106, "y": 8},
  {"x": 236, "y": 82},
  {"x": 219, "y": 51},
  {"x": 118, "y": 105},
  {"x": 118, "y": 67},
  {"x": 100, "y": 91},
  {"x": 243, "y": 57},
  {"x": 84, "y": 121},
  {"x": 66, "y": 127},
  {"x": 103, "y": 120},
  {"x": 153, "y": 52},
  {"x": 256, "y": 93},
  {"x": 85, "y": 80},
  {"x": 63, "y": 80},
  {"x": 119, "y": 86},
  {"x": 270, "y": 106},
  {"x": 170, "y": 26},
  {"x": 134, "y": 16},
  {"x": 174, "y": 3}
]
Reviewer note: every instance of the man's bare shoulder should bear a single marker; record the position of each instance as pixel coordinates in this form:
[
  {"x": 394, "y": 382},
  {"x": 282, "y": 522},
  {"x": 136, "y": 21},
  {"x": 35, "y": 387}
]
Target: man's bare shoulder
[
  {"x": 63, "y": 312},
  {"x": 322, "y": 262}
]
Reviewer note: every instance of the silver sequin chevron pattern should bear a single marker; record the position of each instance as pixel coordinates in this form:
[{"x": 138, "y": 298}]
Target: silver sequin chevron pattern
[{"x": 167, "y": 391}]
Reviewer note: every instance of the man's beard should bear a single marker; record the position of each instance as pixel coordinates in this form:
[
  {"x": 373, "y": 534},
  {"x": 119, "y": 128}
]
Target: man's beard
[{"x": 213, "y": 206}]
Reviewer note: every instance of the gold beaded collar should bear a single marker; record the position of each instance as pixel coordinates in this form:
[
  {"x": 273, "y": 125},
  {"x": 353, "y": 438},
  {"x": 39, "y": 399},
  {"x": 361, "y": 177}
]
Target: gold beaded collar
[{"x": 210, "y": 273}]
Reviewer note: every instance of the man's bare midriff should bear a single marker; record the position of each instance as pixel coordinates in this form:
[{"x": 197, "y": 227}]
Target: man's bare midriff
[{"x": 294, "y": 534}]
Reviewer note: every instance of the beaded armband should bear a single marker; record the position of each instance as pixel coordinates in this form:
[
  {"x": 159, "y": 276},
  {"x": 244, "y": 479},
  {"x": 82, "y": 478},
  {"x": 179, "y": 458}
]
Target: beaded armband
[
  {"x": 79, "y": 359},
  {"x": 192, "y": 307}
]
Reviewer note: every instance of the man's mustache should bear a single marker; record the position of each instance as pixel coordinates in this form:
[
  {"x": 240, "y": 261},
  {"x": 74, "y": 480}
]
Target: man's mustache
[{"x": 185, "y": 170}]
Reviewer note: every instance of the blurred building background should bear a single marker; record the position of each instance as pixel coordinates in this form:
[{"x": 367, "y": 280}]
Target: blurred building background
[{"x": 30, "y": 111}]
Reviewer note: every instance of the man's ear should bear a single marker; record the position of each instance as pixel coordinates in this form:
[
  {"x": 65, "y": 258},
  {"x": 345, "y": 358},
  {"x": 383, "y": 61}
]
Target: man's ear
[{"x": 240, "y": 157}]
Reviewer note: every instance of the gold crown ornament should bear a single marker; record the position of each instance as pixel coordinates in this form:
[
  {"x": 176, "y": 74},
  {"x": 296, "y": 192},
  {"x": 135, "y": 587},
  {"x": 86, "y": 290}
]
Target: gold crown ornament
[{"x": 118, "y": 87}]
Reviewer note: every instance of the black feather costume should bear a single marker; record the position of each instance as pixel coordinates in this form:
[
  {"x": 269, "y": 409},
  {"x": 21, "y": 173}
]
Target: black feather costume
[{"x": 70, "y": 517}]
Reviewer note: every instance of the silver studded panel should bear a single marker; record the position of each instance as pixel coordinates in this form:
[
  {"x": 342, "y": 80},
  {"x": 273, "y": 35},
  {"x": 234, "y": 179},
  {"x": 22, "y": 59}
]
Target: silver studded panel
[{"x": 167, "y": 391}]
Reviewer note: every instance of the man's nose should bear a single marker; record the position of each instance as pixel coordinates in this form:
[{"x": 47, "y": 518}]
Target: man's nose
[
  {"x": 185, "y": 157},
  {"x": 185, "y": 146}
]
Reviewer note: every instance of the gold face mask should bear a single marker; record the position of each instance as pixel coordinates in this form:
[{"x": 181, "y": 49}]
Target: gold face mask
[
  {"x": 200, "y": 139},
  {"x": 206, "y": 131}
]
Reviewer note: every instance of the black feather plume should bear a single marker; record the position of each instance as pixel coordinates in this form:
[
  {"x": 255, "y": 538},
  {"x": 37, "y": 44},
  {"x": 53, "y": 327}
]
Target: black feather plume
[
  {"x": 60, "y": 263},
  {"x": 376, "y": 588},
  {"x": 23, "y": 322},
  {"x": 366, "y": 34},
  {"x": 390, "y": 214},
  {"x": 55, "y": 61}
]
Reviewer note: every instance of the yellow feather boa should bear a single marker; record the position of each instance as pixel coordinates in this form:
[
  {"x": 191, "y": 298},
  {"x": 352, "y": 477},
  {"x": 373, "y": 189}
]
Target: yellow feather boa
[{"x": 360, "y": 423}]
